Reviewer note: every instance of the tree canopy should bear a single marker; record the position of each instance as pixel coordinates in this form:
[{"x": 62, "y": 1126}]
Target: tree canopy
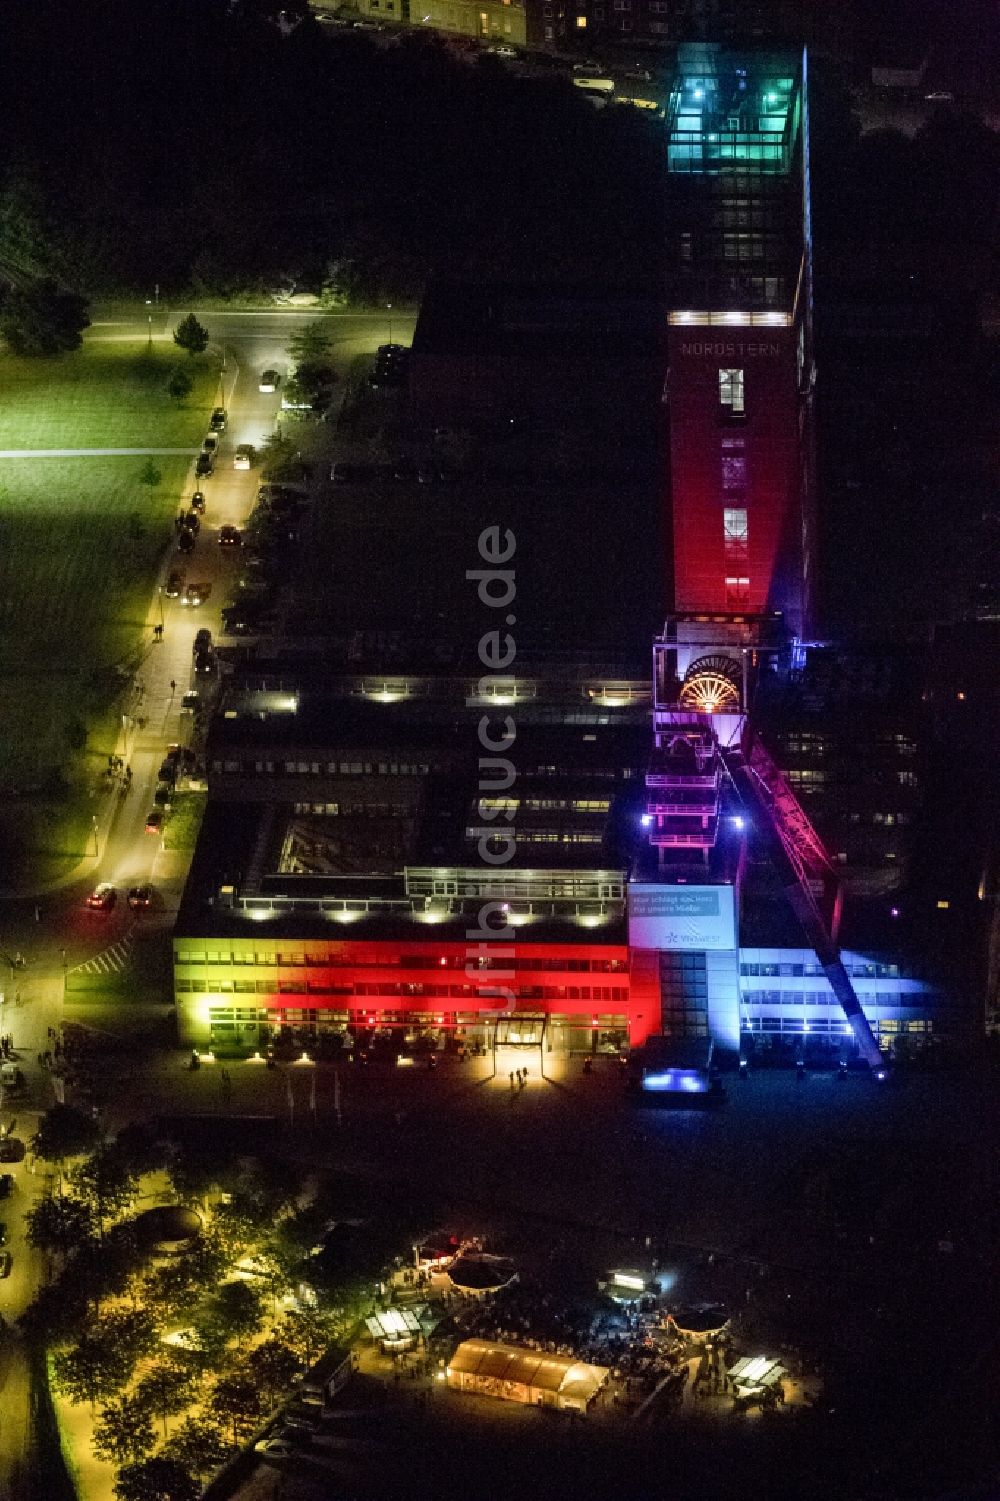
[
  {"x": 191, "y": 335},
  {"x": 198, "y": 1445},
  {"x": 64, "y": 1132},
  {"x": 59, "y": 1225},
  {"x": 42, "y": 318},
  {"x": 124, "y": 1431},
  {"x": 156, "y": 1479}
]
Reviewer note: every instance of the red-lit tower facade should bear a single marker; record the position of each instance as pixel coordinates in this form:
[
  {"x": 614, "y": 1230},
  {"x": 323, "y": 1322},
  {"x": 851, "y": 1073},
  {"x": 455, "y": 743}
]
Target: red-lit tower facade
[
  {"x": 740, "y": 393},
  {"x": 740, "y": 343}
]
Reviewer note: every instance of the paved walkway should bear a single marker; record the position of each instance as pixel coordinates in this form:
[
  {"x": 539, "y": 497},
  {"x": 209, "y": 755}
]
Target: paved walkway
[{"x": 94, "y": 453}]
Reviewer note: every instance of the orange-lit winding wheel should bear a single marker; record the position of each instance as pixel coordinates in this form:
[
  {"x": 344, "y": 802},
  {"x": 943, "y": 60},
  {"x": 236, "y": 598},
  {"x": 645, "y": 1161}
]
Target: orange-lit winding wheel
[{"x": 711, "y": 686}]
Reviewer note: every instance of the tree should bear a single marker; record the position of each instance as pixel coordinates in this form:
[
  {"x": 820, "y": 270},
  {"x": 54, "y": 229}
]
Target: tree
[
  {"x": 124, "y": 1431},
  {"x": 270, "y": 1188},
  {"x": 105, "y": 1268},
  {"x": 63, "y": 1132},
  {"x": 137, "y": 1145},
  {"x": 165, "y": 1388},
  {"x": 58, "y": 1311},
  {"x": 235, "y": 1400},
  {"x": 92, "y": 1369},
  {"x": 59, "y": 1225},
  {"x": 274, "y": 1365},
  {"x": 276, "y": 451},
  {"x": 133, "y": 1331},
  {"x": 308, "y": 1332},
  {"x": 105, "y": 1182},
  {"x": 238, "y": 1309},
  {"x": 150, "y": 475},
  {"x": 43, "y": 319},
  {"x": 310, "y": 343},
  {"x": 191, "y": 335},
  {"x": 171, "y": 1288},
  {"x": 156, "y": 1479},
  {"x": 198, "y": 1445},
  {"x": 312, "y": 385},
  {"x": 195, "y": 1173},
  {"x": 180, "y": 384}
]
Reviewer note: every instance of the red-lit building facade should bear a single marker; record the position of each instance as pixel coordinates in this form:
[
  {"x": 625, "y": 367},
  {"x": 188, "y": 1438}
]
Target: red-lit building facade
[
  {"x": 740, "y": 377},
  {"x": 338, "y": 889}
]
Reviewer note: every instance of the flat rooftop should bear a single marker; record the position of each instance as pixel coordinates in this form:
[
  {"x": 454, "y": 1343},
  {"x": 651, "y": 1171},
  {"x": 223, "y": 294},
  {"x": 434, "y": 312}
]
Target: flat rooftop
[{"x": 538, "y": 321}]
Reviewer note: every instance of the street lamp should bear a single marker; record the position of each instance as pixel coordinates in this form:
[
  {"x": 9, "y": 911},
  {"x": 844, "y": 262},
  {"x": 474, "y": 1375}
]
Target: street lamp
[
  {"x": 161, "y": 606},
  {"x": 93, "y": 825},
  {"x": 389, "y": 310}
]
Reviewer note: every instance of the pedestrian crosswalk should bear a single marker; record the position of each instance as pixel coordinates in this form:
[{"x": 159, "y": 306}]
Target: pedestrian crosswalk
[{"x": 110, "y": 961}]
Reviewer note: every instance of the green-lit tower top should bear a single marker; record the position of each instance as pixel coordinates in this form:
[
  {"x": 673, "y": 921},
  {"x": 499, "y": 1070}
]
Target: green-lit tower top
[{"x": 733, "y": 112}]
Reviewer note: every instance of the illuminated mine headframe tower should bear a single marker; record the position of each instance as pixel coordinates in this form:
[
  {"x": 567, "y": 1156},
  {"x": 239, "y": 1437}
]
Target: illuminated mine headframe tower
[{"x": 741, "y": 507}]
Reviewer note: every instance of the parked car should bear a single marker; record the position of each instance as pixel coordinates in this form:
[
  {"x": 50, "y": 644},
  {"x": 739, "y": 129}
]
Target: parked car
[
  {"x": 247, "y": 620},
  {"x": 244, "y": 456},
  {"x": 230, "y": 536},
  {"x": 6, "y": 1185},
  {"x": 164, "y": 795},
  {"x": 195, "y": 594},
  {"x": 198, "y": 503},
  {"x": 510, "y": 54},
  {"x": 307, "y": 1419},
  {"x": 103, "y": 897},
  {"x": 310, "y": 1398},
  {"x": 140, "y": 898},
  {"x": 274, "y": 1448},
  {"x": 295, "y": 1433},
  {"x": 211, "y": 445},
  {"x": 174, "y": 584},
  {"x": 191, "y": 701},
  {"x": 6, "y": 1262},
  {"x": 12, "y": 1149},
  {"x": 204, "y": 663},
  {"x": 190, "y": 522},
  {"x": 218, "y": 420},
  {"x": 269, "y": 381},
  {"x": 205, "y": 464},
  {"x": 185, "y": 540},
  {"x": 202, "y": 640},
  {"x": 154, "y": 821}
]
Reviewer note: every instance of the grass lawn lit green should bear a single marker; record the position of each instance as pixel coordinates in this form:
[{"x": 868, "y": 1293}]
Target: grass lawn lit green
[
  {"x": 109, "y": 394},
  {"x": 80, "y": 542},
  {"x": 184, "y": 821},
  {"x": 81, "y": 539}
]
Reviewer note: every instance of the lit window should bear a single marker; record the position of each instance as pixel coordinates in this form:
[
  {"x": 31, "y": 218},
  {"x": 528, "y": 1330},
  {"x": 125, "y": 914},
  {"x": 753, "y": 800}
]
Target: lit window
[
  {"x": 737, "y": 593},
  {"x": 731, "y": 391},
  {"x": 581, "y": 23},
  {"x": 736, "y": 534}
]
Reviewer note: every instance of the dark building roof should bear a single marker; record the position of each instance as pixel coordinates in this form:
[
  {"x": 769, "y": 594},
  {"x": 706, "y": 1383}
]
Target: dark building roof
[{"x": 543, "y": 321}]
